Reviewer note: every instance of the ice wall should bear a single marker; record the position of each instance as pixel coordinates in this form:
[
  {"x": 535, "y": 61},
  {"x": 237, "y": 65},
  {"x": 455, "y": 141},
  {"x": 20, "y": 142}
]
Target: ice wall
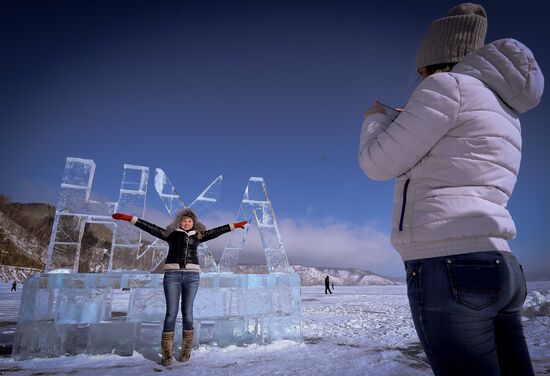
[{"x": 75, "y": 313}]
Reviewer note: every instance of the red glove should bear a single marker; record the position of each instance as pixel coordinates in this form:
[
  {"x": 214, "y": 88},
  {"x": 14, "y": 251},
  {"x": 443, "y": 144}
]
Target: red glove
[
  {"x": 240, "y": 224},
  {"x": 122, "y": 217}
]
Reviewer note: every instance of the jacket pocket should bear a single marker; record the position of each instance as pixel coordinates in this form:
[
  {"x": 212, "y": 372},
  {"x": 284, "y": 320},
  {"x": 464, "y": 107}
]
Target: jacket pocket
[
  {"x": 475, "y": 283},
  {"x": 402, "y": 217}
]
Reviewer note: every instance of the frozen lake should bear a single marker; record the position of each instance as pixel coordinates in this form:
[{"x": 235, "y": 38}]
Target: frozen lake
[{"x": 364, "y": 330}]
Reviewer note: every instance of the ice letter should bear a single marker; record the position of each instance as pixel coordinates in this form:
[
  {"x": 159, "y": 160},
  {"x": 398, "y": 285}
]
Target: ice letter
[{"x": 256, "y": 205}]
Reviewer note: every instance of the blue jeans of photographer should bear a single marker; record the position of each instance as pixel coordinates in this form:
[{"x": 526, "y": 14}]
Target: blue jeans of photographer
[
  {"x": 185, "y": 284},
  {"x": 467, "y": 312}
]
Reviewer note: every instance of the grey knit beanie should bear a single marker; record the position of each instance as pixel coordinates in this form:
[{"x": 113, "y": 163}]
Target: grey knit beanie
[{"x": 454, "y": 36}]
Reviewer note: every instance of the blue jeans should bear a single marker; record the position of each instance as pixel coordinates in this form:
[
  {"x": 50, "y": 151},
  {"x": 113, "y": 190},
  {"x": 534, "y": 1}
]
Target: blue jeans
[
  {"x": 178, "y": 283},
  {"x": 467, "y": 313}
]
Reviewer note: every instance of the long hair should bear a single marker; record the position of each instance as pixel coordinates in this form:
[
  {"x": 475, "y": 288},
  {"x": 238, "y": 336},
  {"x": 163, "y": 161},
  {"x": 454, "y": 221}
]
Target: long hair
[
  {"x": 439, "y": 68},
  {"x": 197, "y": 226}
]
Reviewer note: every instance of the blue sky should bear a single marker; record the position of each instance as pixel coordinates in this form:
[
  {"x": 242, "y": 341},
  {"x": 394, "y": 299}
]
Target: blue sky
[{"x": 273, "y": 89}]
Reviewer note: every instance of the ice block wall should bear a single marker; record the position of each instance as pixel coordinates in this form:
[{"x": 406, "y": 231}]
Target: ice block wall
[{"x": 123, "y": 312}]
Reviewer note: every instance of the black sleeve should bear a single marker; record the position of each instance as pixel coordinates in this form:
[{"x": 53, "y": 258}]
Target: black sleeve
[
  {"x": 152, "y": 229},
  {"x": 215, "y": 232}
]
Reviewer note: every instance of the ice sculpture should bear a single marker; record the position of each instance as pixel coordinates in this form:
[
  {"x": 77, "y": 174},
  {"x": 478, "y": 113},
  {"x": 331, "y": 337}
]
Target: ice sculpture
[
  {"x": 122, "y": 311},
  {"x": 75, "y": 210},
  {"x": 256, "y": 207},
  {"x": 173, "y": 203}
]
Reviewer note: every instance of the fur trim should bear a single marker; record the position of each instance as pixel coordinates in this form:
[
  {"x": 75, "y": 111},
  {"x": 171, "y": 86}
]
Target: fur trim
[{"x": 186, "y": 212}]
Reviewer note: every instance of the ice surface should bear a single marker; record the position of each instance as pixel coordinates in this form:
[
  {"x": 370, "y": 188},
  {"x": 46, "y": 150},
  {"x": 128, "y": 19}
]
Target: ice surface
[{"x": 359, "y": 330}]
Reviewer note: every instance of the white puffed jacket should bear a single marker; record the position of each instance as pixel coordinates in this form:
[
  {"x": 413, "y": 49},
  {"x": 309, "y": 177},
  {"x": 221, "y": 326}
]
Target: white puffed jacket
[{"x": 455, "y": 152}]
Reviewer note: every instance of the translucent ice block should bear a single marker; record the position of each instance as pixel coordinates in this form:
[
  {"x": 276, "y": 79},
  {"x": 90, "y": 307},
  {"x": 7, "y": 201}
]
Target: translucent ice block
[
  {"x": 230, "y": 332},
  {"x": 146, "y": 305},
  {"x": 258, "y": 301},
  {"x": 211, "y": 303},
  {"x": 36, "y": 339},
  {"x": 79, "y": 306},
  {"x": 114, "y": 337},
  {"x": 73, "y": 338},
  {"x": 284, "y": 327}
]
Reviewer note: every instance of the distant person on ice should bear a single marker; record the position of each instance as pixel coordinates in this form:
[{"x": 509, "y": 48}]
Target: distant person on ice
[
  {"x": 14, "y": 286},
  {"x": 327, "y": 285},
  {"x": 181, "y": 272},
  {"x": 455, "y": 153}
]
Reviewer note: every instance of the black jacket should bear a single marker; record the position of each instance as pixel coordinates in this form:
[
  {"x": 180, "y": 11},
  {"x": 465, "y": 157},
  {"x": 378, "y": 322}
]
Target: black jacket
[{"x": 182, "y": 248}]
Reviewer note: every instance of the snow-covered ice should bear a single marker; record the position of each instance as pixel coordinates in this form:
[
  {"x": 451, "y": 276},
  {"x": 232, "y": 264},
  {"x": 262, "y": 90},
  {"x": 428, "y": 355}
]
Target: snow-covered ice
[{"x": 363, "y": 330}]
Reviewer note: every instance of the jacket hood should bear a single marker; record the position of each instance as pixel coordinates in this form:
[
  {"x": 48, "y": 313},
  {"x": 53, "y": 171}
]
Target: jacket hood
[
  {"x": 509, "y": 68},
  {"x": 186, "y": 212}
]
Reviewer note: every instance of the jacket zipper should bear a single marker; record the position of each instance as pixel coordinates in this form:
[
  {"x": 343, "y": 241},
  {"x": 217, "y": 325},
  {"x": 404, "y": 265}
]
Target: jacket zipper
[
  {"x": 186, "y": 250},
  {"x": 404, "y": 204}
]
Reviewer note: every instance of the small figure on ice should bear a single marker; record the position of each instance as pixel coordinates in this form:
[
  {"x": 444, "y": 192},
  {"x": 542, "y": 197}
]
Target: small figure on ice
[
  {"x": 327, "y": 285},
  {"x": 181, "y": 272},
  {"x": 14, "y": 286}
]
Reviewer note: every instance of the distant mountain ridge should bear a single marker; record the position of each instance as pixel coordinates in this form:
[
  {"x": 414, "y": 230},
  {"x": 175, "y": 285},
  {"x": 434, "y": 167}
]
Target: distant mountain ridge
[
  {"x": 25, "y": 233},
  {"x": 313, "y": 275}
]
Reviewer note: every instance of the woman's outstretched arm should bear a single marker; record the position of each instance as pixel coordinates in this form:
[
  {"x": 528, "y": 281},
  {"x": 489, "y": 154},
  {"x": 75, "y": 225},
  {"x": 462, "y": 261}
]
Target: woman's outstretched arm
[
  {"x": 217, "y": 231},
  {"x": 151, "y": 228}
]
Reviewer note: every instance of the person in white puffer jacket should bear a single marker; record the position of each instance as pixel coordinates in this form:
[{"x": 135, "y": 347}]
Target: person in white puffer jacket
[{"x": 455, "y": 153}]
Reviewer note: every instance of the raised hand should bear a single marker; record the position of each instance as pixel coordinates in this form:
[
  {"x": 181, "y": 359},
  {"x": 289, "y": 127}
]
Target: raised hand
[
  {"x": 240, "y": 224},
  {"x": 376, "y": 108},
  {"x": 122, "y": 217}
]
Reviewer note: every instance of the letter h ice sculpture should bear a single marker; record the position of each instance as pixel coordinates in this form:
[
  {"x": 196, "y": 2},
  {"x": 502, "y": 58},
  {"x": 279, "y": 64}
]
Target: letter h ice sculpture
[{"x": 75, "y": 210}]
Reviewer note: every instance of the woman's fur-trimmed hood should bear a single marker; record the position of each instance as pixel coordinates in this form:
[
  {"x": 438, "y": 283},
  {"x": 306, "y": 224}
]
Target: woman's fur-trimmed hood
[{"x": 187, "y": 212}]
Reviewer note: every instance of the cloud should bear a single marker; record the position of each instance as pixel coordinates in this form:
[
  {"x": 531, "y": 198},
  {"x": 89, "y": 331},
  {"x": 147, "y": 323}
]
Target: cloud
[
  {"x": 325, "y": 242},
  {"x": 328, "y": 241},
  {"x": 339, "y": 244}
]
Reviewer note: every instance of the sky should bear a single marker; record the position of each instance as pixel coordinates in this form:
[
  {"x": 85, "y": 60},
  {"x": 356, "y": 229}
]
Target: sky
[{"x": 275, "y": 89}]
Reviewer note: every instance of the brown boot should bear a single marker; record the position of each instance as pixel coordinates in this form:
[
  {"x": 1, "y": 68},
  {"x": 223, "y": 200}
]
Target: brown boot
[
  {"x": 167, "y": 347},
  {"x": 187, "y": 345}
]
